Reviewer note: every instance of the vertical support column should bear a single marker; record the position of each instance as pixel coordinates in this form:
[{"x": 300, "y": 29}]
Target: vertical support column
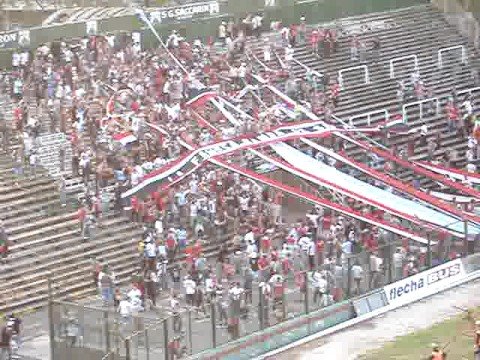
[
  {"x": 349, "y": 276},
  {"x": 165, "y": 338},
  {"x": 465, "y": 230},
  {"x": 213, "y": 321},
  {"x": 261, "y": 309},
  {"x": 51, "y": 327},
  {"x": 127, "y": 349},
  {"x": 307, "y": 294},
  {"x": 429, "y": 249},
  {"x": 107, "y": 330},
  {"x": 190, "y": 344}
]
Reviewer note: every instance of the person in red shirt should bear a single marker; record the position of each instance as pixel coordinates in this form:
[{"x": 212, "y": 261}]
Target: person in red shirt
[
  {"x": 81, "y": 215},
  {"x": 134, "y": 205},
  {"x": 452, "y": 115},
  {"x": 265, "y": 244},
  {"x": 197, "y": 249},
  {"x": 334, "y": 93},
  {"x": 293, "y": 34},
  {"x": 314, "y": 39}
]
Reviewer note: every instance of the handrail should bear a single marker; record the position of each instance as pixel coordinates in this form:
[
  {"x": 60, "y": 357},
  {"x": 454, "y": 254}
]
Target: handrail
[
  {"x": 362, "y": 135},
  {"x": 314, "y": 72},
  {"x": 282, "y": 64},
  {"x": 365, "y": 69},
  {"x": 369, "y": 114},
  {"x": 392, "y": 70},
  {"x": 266, "y": 67},
  {"x": 421, "y": 102},
  {"x": 469, "y": 91},
  {"x": 440, "y": 57}
]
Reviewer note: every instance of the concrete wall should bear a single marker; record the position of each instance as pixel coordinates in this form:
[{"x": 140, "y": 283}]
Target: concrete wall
[{"x": 464, "y": 14}]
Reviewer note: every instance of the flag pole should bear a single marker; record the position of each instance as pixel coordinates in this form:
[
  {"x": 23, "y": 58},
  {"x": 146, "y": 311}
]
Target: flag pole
[{"x": 143, "y": 17}]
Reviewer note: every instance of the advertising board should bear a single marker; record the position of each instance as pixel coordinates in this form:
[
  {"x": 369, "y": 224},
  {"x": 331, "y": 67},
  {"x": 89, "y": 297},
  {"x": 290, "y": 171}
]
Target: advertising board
[
  {"x": 185, "y": 12},
  {"x": 425, "y": 283}
]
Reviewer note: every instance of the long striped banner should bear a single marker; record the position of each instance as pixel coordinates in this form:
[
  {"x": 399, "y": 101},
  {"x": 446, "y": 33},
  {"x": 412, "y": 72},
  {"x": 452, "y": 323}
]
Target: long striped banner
[
  {"x": 180, "y": 168},
  {"x": 414, "y": 167},
  {"x": 399, "y": 185},
  {"x": 452, "y": 173},
  {"x": 399, "y": 230},
  {"x": 193, "y": 159}
]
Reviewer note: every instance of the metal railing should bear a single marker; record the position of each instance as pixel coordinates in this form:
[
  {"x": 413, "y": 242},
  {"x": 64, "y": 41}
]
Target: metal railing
[{"x": 249, "y": 325}]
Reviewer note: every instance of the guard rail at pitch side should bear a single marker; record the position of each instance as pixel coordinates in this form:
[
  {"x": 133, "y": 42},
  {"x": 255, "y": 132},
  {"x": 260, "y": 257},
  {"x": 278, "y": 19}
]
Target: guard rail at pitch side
[{"x": 311, "y": 326}]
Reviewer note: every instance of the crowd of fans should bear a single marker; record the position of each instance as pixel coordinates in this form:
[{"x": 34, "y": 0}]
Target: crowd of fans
[{"x": 102, "y": 89}]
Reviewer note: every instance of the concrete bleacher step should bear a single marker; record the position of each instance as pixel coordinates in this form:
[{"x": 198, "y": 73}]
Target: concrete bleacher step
[{"x": 421, "y": 31}]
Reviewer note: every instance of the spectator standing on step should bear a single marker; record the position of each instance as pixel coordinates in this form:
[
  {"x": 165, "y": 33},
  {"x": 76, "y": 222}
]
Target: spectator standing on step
[
  {"x": 314, "y": 40},
  {"x": 222, "y": 32},
  {"x": 106, "y": 284},
  {"x": 81, "y": 216},
  {"x": 190, "y": 289},
  {"x": 257, "y": 25},
  {"x": 376, "y": 49},
  {"x": 302, "y": 30},
  {"x": 85, "y": 164},
  {"x": 452, "y": 115},
  {"x": 267, "y": 51},
  {"x": 3, "y": 241},
  {"x": 354, "y": 46},
  {"x": 357, "y": 275}
]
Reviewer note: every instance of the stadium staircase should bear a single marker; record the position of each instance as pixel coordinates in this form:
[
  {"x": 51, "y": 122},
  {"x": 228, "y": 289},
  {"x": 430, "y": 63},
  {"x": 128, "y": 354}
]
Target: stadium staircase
[
  {"x": 419, "y": 31},
  {"x": 46, "y": 242}
]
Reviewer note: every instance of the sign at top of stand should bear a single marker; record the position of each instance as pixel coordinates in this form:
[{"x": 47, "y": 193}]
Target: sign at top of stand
[
  {"x": 17, "y": 39},
  {"x": 349, "y": 28},
  {"x": 185, "y": 12}
]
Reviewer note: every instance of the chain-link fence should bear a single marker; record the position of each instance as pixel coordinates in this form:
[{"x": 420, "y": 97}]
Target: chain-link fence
[{"x": 250, "y": 307}]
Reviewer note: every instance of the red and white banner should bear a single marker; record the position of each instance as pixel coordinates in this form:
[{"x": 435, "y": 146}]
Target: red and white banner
[
  {"x": 397, "y": 184},
  {"x": 399, "y": 230},
  {"x": 414, "y": 167},
  {"x": 451, "y": 173},
  {"x": 194, "y": 158},
  {"x": 200, "y": 98},
  {"x": 124, "y": 138}
]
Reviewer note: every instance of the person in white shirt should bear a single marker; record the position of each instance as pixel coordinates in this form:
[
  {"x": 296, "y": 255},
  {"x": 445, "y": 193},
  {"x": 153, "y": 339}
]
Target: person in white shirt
[
  {"x": 398, "y": 261},
  {"x": 16, "y": 60},
  {"x": 150, "y": 249},
  {"x": 190, "y": 289},
  {"x": 375, "y": 264},
  {"x": 311, "y": 254},
  {"x": 320, "y": 287},
  {"x": 304, "y": 243},
  {"x": 251, "y": 248},
  {"x": 468, "y": 108},
  {"x": 357, "y": 274},
  {"x": 257, "y": 25},
  {"x": 222, "y": 32},
  {"x": 471, "y": 168},
  {"x": 289, "y": 51},
  {"x": 125, "y": 310}
]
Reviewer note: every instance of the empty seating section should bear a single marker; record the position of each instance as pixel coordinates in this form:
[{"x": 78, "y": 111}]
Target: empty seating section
[
  {"x": 50, "y": 155},
  {"x": 417, "y": 33}
]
